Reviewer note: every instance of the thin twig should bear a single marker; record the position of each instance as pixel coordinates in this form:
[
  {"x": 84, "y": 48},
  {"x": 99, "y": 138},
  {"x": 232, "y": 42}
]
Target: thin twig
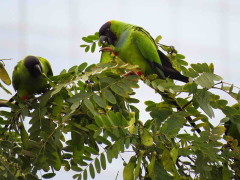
[
  {"x": 3, "y": 103},
  {"x": 222, "y": 82},
  {"x": 187, "y": 104},
  {"x": 179, "y": 166},
  {"x": 6, "y": 59},
  {"x": 117, "y": 175}
]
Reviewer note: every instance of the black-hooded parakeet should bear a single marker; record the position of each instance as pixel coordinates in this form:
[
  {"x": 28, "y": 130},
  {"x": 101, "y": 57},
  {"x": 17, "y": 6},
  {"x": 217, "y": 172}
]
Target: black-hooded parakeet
[
  {"x": 28, "y": 77},
  {"x": 233, "y": 125},
  {"x": 134, "y": 45}
]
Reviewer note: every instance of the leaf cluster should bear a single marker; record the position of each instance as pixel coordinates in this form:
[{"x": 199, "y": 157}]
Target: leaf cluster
[{"x": 89, "y": 117}]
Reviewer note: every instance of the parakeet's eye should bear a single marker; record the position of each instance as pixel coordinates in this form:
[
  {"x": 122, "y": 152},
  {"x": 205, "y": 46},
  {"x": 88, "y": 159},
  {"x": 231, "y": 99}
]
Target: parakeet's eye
[{"x": 104, "y": 40}]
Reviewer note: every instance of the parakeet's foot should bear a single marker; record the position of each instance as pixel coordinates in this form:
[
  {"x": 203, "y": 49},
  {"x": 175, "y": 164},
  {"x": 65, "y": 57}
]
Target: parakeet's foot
[
  {"x": 108, "y": 49},
  {"x": 138, "y": 73}
]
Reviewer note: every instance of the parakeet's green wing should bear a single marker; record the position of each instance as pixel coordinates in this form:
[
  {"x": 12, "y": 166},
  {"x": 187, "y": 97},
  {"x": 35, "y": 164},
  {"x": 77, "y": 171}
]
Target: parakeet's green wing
[
  {"x": 47, "y": 69},
  {"x": 16, "y": 78},
  {"x": 148, "y": 49}
]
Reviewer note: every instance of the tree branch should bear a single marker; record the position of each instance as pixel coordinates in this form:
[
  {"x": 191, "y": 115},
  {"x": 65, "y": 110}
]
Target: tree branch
[{"x": 3, "y": 103}]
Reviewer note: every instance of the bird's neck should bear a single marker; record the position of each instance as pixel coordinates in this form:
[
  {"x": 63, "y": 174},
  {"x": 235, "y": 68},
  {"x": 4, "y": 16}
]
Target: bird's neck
[{"x": 120, "y": 27}]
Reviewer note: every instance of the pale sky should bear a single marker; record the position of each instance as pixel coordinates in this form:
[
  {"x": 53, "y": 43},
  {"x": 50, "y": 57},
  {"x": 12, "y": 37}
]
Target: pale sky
[{"x": 204, "y": 31}]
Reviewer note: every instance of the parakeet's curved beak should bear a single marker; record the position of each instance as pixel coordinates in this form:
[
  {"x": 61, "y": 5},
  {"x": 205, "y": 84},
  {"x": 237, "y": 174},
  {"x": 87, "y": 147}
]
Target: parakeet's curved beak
[
  {"x": 37, "y": 69},
  {"x": 103, "y": 39}
]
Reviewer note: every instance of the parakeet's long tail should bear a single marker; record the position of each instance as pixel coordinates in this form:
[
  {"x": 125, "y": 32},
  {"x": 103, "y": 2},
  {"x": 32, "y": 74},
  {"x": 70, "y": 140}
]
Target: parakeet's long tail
[
  {"x": 168, "y": 69},
  {"x": 172, "y": 101}
]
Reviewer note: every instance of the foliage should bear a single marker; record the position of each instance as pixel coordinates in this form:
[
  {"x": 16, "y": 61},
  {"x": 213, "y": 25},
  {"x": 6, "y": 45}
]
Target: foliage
[{"x": 89, "y": 117}]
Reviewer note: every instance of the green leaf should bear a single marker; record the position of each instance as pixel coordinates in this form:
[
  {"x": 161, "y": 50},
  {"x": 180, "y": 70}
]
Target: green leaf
[
  {"x": 146, "y": 138},
  {"x": 82, "y": 66},
  {"x": 78, "y": 97},
  {"x": 206, "y": 79},
  {"x": 98, "y": 120},
  {"x": 108, "y": 80},
  {"x": 158, "y": 38},
  {"x": 83, "y": 45},
  {"x": 92, "y": 127},
  {"x": 211, "y": 67},
  {"x": 103, "y": 140},
  {"x": 180, "y": 56},
  {"x": 109, "y": 155},
  {"x": 85, "y": 175},
  {"x": 97, "y": 165},
  {"x": 203, "y": 98},
  {"x": 7, "y": 114},
  {"x": 6, "y": 90},
  {"x": 225, "y": 119},
  {"x": 89, "y": 105},
  {"x": 49, "y": 175},
  {"x": 174, "y": 123},
  {"x": 151, "y": 166},
  {"x": 174, "y": 154},
  {"x": 190, "y": 87},
  {"x": 192, "y": 73},
  {"x": 118, "y": 90},
  {"x": 226, "y": 173},
  {"x": 103, "y": 161},
  {"x": 76, "y": 168},
  {"x": 93, "y": 47},
  {"x": 99, "y": 101},
  {"x": 200, "y": 68},
  {"x": 86, "y": 39},
  {"x": 137, "y": 169},
  {"x": 80, "y": 177},
  {"x": 93, "y": 37},
  {"x": 161, "y": 173},
  {"x": 108, "y": 95},
  {"x": 217, "y": 132},
  {"x": 4, "y": 75},
  {"x": 91, "y": 170},
  {"x": 6, "y": 144},
  {"x": 128, "y": 171},
  {"x": 90, "y": 150},
  {"x": 125, "y": 87},
  {"x": 87, "y": 48}
]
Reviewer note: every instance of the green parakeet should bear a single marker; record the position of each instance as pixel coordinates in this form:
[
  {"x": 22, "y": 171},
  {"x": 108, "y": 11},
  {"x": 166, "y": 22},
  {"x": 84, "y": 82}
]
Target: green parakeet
[
  {"x": 28, "y": 76},
  {"x": 134, "y": 45},
  {"x": 233, "y": 125}
]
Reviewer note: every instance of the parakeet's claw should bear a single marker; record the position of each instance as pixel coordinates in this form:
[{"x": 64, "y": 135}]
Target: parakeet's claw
[
  {"x": 139, "y": 73},
  {"x": 108, "y": 49}
]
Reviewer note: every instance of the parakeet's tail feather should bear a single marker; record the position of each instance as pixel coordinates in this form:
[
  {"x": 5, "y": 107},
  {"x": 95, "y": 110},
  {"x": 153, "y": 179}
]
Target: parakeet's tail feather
[
  {"x": 172, "y": 101},
  {"x": 168, "y": 69}
]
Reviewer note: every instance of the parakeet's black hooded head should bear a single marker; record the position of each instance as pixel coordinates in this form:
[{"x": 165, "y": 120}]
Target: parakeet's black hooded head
[
  {"x": 106, "y": 36},
  {"x": 33, "y": 65}
]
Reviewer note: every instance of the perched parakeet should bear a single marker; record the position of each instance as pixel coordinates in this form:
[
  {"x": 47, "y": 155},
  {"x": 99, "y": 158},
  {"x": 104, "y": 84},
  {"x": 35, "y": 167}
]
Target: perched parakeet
[
  {"x": 134, "y": 45},
  {"x": 28, "y": 76},
  {"x": 233, "y": 125}
]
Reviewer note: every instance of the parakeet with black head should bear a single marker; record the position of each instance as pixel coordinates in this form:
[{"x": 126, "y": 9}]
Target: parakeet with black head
[
  {"x": 28, "y": 77},
  {"x": 134, "y": 45},
  {"x": 233, "y": 125}
]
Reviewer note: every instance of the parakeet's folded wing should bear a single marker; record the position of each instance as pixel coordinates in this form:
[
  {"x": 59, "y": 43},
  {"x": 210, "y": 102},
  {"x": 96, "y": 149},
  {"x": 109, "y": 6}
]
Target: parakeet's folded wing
[
  {"x": 16, "y": 80},
  {"x": 148, "y": 49},
  {"x": 46, "y": 66}
]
